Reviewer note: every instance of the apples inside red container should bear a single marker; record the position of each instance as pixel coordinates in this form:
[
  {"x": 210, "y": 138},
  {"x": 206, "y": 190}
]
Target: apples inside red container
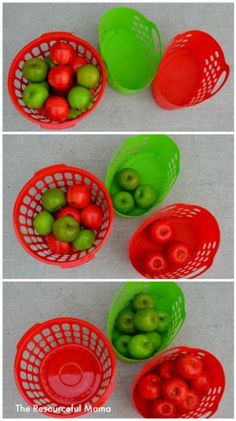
[{"x": 174, "y": 385}]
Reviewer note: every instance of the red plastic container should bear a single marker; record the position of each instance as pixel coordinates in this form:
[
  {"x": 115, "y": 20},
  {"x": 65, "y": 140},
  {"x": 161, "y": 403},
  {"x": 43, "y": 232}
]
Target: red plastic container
[
  {"x": 191, "y": 224},
  {"x": 40, "y": 47},
  {"x": 209, "y": 400},
  {"x": 64, "y": 362},
  {"x": 192, "y": 70},
  {"x": 28, "y": 204}
]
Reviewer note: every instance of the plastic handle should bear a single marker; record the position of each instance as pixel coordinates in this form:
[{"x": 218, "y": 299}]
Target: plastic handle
[
  {"x": 58, "y": 167},
  {"x": 54, "y": 34},
  {"x": 28, "y": 333},
  {"x": 227, "y": 72},
  {"x": 155, "y": 29}
]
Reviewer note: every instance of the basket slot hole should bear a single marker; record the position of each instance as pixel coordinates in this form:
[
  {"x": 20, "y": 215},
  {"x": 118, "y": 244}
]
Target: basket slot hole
[
  {"x": 68, "y": 176},
  {"x": 81, "y": 49},
  {"x": 44, "y": 46},
  {"x": 28, "y": 56},
  {"x": 58, "y": 176},
  {"x": 48, "y": 179},
  {"x": 39, "y": 185},
  {"x": 36, "y": 51}
]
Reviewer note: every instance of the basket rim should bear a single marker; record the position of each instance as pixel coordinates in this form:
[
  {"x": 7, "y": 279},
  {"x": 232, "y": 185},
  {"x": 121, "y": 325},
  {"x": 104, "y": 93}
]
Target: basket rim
[
  {"x": 181, "y": 348},
  {"x": 21, "y": 193},
  {"x": 98, "y": 331},
  {"x": 13, "y": 67}
]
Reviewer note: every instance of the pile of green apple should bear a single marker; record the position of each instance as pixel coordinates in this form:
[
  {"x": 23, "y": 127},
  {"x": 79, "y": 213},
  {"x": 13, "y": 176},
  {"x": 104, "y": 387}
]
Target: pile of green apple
[
  {"x": 139, "y": 328},
  {"x": 132, "y": 192},
  {"x": 69, "y": 221},
  {"x": 61, "y": 85}
]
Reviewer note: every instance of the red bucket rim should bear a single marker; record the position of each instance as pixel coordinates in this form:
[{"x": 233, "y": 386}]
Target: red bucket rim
[
  {"x": 80, "y": 260},
  {"x": 46, "y": 323},
  {"x": 57, "y": 36}
]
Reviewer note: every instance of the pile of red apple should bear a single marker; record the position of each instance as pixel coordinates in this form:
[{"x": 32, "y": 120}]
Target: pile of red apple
[
  {"x": 174, "y": 253},
  {"x": 139, "y": 328},
  {"x": 69, "y": 220},
  {"x": 132, "y": 193},
  {"x": 174, "y": 388},
  {"x": 60, "y": 85}
]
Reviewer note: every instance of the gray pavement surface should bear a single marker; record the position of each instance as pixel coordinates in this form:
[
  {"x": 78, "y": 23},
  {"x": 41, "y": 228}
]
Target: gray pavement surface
[
  {"x": 208, "y": 325},
  {"x": 206, "y": 179},
  {"x": 120, "y": 112}
]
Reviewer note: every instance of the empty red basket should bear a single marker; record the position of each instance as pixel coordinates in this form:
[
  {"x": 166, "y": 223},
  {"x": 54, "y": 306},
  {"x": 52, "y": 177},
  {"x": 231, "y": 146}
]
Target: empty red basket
[
  {"x": 28, "y": 204},
  {"x": 192, "y": 70},
  {"x": 191, "y": 224},
  {"x": 64, "y": 363},
  {"x": 209, "y": 400},
  {"x": 40, "y": 47}
]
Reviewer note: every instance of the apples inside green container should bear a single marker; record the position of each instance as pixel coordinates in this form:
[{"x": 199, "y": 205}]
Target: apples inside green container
[
  {"x": 167, "y": 297},
  {"x": 154, "y": 161}
]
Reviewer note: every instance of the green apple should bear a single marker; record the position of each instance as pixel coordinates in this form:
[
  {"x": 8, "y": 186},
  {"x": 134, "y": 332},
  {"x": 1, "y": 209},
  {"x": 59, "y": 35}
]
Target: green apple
[
  {"x": 43, "y": 223},
  {"x": 146, "y": 320},
  {"x": 121, "y": 344},
  {"x": 155, "y": 338},
  {"x": 115, "y": 335},
  {"x": 79, "y": 98},
  {"x": 125, "y": 322},
  {"x": 128, "y": 179},
  {"x": 84, "y": 240},
  {"x": 123, "y": 202},
  {"x": 88, "y": 76},
  {"x": 140, "y": 346},
  {"x": 164, "y": 321},
  {"x": 45, "y": 84},
  {"x": 143, "y": 300},
  {"x": 66, "y": 229},
  {"x": 53, "y": 200},
  {"x": 73, "y": 114},
  {"x": 145, "y": 196},
  {"x": 35, "y": 95},
  {"x": 35, "y": 69}
]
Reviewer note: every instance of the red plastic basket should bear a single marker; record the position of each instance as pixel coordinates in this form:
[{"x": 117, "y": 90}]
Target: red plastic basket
[
  {"x": 193, "y": 69},
  {"x": 64, "y": 362},
  {"x": 40, "y": 47},
  {"x": 28, "y": 204},
  {"x": 209, "y": 401},
  {"x": 192, "y": 224}
]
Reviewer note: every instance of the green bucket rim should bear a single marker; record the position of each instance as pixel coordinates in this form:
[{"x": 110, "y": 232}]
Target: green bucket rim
[
  {"x": 122, "y": 147},
  {"x": 110, "y": 77},
  {"x": 141, "y": 285}
]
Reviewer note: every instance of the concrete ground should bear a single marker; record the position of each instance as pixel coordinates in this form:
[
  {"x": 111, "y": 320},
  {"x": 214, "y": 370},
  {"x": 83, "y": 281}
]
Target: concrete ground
[
  {"x": 119, "y": 112},
  {"x": 206, "y": 179},
  {"x": 208, "y": 325}
]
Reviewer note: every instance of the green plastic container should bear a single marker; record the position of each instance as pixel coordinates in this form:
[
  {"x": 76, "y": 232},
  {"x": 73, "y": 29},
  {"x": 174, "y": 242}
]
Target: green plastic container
[
  {"x": 155, "y": 157},
  {"x": 168, "y": 296},
  {"x": 131, "y": 48}
]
